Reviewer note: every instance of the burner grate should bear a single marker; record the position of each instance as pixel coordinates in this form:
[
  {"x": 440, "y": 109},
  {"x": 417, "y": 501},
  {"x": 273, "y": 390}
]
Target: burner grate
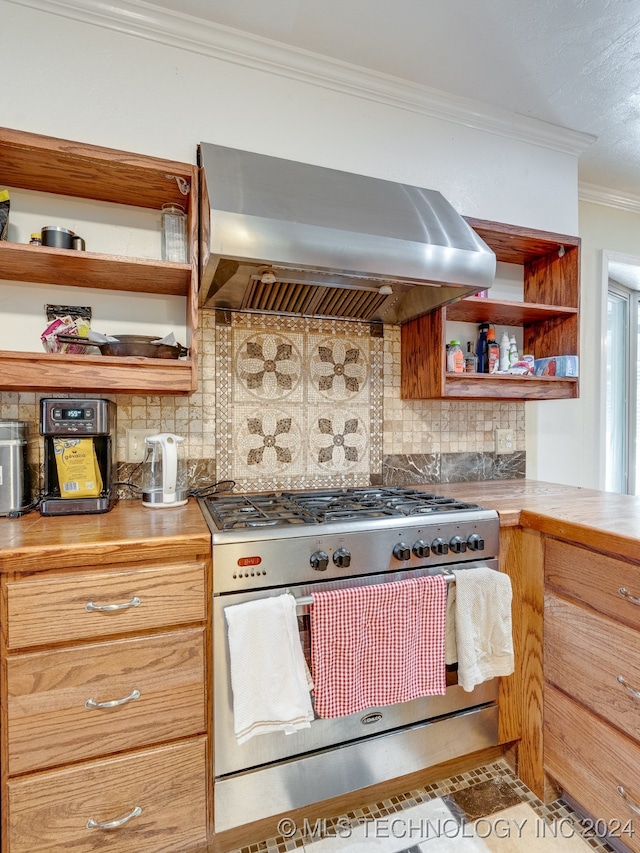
[
  {"x": 243, "y": 511},
  {"x": 231, "y": 512}
]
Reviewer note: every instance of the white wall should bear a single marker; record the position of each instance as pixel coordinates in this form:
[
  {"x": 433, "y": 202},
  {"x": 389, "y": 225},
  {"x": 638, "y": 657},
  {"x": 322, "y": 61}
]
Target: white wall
[
  {"x": 603, "y": 229},
  {"x": 80, "y": 81}
]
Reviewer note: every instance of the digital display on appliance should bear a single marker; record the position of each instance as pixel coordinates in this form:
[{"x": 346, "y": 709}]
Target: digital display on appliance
[{"x": 73, "y": 414}]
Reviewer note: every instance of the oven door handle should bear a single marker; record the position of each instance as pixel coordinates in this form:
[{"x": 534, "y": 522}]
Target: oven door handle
[{"x": 307, "y": 600}]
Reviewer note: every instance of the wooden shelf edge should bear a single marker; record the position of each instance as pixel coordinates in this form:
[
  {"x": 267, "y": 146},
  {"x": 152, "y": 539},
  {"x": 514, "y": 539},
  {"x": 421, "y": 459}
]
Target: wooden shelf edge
[
  {"x": 64, "y": 167},
  {"x": 503, "y": 312},
  {"x": 486, "y": 386},
  {"x": 22, "y": 262},
  {"x": 60, "y": 372}
]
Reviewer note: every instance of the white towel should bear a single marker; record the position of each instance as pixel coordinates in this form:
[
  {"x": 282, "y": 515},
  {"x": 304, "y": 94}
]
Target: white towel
[
  {"x": 269, "y": 676},
  {"x": 451, "y": 647},
  {"x": 483, "y": 627}
]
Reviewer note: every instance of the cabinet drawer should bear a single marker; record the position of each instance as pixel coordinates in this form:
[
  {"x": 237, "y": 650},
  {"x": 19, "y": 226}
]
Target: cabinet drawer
[
  {"x": 585, "y": 653},
  {"x": 49, "y": 811},
  {"x": 49, "y": 724},
  {"x": 49, "y": 610},
  {"x": 594, "y": 579},
  {"x": 589, "y": 760}
]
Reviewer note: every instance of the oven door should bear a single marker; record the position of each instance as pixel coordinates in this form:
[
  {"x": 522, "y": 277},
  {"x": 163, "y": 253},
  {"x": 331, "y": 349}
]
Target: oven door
[{"x": 229, "y": 757}]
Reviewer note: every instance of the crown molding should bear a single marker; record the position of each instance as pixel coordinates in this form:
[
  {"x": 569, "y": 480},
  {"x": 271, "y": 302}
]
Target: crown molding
[
  {"x": 175, "y": 29},
  {"x": 611, "y": 198}
]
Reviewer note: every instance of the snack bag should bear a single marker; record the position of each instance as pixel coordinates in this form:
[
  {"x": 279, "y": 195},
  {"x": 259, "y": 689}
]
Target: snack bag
[
  {"x": 5, "y": 203},
  {"x": 68, "y": 320}
]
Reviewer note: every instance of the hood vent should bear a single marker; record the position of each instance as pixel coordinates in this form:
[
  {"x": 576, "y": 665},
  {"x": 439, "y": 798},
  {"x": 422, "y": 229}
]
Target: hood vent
[
  {"x": 290, "y": 238},
  {"x": 311, "y": 300}
]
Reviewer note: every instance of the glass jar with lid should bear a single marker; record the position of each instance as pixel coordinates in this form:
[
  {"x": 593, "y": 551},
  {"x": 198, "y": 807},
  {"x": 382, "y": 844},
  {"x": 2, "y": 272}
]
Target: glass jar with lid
[{"x": 174, "y": 233}]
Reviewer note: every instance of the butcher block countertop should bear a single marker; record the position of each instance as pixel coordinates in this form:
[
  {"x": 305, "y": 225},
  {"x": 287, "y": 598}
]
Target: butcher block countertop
[
  {"x": 604, "y": 521},
  {"x": 583, "y": 515},
  {"x": 36, "y": 542}
]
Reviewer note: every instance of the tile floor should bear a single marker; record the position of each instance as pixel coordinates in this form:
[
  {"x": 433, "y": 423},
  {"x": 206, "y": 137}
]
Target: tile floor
[{"x": 487, "y": 810}]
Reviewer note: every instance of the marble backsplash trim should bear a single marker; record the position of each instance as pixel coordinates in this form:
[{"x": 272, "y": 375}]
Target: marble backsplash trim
[
  {"x": 423, "y": 468},
  {"x": 408, "y": 470}
]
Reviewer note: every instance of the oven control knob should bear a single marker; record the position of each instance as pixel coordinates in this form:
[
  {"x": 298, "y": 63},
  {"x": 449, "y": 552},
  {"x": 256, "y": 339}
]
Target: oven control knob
[
  {"x": 342, "y": 558},
  {"x": 458, "y": 545},
  {"x": 319, "y": 561},
  {"x": 401, "y": 551},
  {"x": 475, "y": 542},
  {"x": 440, "y": 547},
  {"x": 421, "y": 549}
]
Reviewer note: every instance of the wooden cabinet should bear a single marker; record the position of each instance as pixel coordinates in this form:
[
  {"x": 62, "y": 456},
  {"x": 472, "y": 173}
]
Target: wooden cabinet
[
  {"x": 105, "y": 725},
  {"x": 548, "y": 316},
  {"x": 33, "y": 162},
  {"x": 155, "y": 801},
  {"x": 592, "y": 683}
]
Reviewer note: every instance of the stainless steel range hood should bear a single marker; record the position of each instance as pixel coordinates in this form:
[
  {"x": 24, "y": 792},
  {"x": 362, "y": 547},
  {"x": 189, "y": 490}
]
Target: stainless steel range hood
[{"x": 291, "y": 238}]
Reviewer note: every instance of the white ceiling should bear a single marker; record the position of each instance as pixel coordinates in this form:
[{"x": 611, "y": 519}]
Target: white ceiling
[{"x": 572, "y": 63}]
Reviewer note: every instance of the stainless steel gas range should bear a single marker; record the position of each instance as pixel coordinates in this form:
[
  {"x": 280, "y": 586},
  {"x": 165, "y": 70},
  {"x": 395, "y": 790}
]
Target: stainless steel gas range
[{"x": 302, "y": 542}]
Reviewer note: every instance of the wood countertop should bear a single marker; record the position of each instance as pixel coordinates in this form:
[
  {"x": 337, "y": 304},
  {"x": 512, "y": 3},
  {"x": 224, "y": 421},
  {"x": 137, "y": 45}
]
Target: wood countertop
[
  {"x": 36, "y": 542},
  {"x": 605, "y": 521},
  {"x": 582, "y": 515}
]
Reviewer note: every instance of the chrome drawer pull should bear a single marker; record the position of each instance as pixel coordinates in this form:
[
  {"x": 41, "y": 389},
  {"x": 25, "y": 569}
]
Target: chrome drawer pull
[
  {"x": 628, "y": 687},
  {"x": 91, "y": 703},
  {"x": 624, "y": 796},
  {"x": 626, "y": 594},
  {"x": 114, "y": 824},
  {"x": 90, "y": 606}
]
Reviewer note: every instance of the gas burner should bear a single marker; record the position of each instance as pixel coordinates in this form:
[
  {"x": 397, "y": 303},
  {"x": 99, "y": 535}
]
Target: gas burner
[
  {"x": 232, "y": 512},
  {"x": 245, "y": 511}
]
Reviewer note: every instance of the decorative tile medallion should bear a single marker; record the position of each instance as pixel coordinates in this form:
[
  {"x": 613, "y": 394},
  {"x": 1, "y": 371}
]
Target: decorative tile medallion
[{"x": 298, "y": 402}]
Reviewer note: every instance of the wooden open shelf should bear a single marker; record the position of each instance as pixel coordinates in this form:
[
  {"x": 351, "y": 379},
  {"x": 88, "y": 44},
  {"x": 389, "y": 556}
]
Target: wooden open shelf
[
  {"x": 483, "y": 386},
  {"x": 549, "y": 317},
  {"x": 27, "y": 371},
  {"x": 64, "y": 168},
  {"x": 505, "y": 313},
  {"x": 20, "y": 262}
]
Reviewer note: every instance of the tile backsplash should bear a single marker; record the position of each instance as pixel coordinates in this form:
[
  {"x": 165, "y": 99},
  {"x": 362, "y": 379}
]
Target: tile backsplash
[{"x": 293, "y": 402}]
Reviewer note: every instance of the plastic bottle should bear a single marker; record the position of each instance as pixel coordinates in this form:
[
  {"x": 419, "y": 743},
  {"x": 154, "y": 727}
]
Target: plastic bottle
[
  {"x": 513, "y": 351},
  {"x": 492, "y": 363},
  {"x": 481, "y": 347},
  {"x": 504, "y": 352},
  {"x": 470, "y": 359},
  {"x": 455, "y": 358}
]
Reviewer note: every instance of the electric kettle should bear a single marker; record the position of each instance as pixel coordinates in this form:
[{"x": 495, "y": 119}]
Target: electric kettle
[{"x": 164, "y": 472}]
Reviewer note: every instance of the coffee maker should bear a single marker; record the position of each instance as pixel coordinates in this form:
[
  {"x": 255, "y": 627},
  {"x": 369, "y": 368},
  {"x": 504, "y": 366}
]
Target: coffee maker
[{"x": 79, "y": 455}]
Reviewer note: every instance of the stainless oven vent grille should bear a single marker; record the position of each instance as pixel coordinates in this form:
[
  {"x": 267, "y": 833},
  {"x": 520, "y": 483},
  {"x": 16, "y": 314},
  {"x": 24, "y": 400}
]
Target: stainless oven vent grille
[{"x": 288, "y": 297}]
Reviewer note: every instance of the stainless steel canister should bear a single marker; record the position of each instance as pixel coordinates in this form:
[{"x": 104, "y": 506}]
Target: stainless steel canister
[
  {"x": 14, "y": 474},
  {"x": 57, "y": 237}
]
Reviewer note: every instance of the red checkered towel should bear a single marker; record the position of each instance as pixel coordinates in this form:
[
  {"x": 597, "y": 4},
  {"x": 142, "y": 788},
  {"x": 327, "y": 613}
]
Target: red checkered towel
[{"x": 378, "y": 645}]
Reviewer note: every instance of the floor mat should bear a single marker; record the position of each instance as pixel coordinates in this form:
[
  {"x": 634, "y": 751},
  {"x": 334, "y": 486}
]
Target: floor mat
[{"x": 519, "y": 829}]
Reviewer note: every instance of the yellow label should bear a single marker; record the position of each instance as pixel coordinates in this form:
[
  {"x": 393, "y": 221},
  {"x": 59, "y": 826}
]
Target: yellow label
[{"x": 77, "y": 466}]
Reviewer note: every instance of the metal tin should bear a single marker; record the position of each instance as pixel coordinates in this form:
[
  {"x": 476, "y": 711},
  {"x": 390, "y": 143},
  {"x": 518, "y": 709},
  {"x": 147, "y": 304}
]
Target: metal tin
[
  {"x": 14, "y": 473},
  {"x": 57, "y": 237},
  {"x": 78, "y": 243}
]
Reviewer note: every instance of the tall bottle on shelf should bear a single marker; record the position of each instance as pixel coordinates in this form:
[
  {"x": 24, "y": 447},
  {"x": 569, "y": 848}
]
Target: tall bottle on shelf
[
  {"x": 481, "y": 347},
  {"x": 492, "y": 360},
  {"x": 504, "y": 352},
  {"x": 513, "y": 351},
  {"x": 455, "y": 358}
]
